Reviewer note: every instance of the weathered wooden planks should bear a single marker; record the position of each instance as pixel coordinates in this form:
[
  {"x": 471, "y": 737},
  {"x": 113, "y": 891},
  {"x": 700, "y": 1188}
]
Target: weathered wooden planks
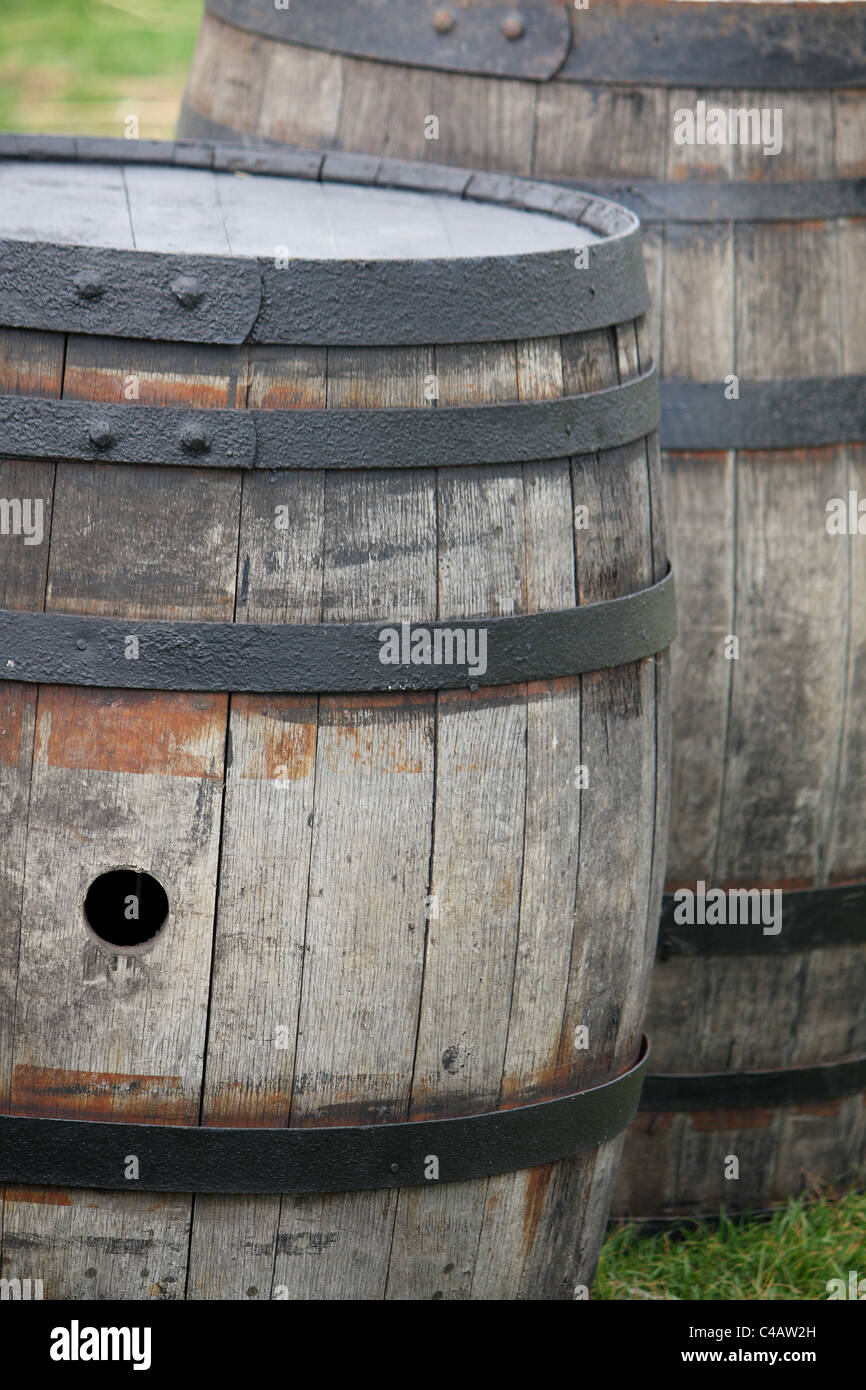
[
  {"x": 364, "y": 926},
  {"x": 121, "y": 778},
  {"x": 357, "y": 840},
  {"x": 29, "y": 363},
  {"x": 265, "y": 852},
  {"x": 361, "y": 924}
]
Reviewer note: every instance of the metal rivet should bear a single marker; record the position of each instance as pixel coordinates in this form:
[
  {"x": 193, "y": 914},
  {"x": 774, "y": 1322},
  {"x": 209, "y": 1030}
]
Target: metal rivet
[
  {"x": 101, "y": 435},
  {"x": 81, "y": 644},
  {"x": 193, "y": 439},
  {"x": 444, "y": 21},
  {"x": 514, "y": 25},
  {"x": 187, "y": 290},
  {"x": 88, "y": 285},
  {"x": 395, "y": 1167}
]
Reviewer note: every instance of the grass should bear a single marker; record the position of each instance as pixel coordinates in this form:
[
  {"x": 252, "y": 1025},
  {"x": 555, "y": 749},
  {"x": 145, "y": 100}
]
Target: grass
[
  {"x": 789, "y": 1255},
  {"x": 84, "y": 66}
]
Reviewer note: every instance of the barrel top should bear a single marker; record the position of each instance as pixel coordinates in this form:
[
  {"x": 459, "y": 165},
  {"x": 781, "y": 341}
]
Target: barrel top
[
  {"x": 203, "y": 212},
  {"x": 207, "y": 242}
]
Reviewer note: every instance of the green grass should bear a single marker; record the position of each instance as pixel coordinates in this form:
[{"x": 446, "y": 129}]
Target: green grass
[
  {"x": 85, "y": 65},
  {"x": 790, "y": 1255}
]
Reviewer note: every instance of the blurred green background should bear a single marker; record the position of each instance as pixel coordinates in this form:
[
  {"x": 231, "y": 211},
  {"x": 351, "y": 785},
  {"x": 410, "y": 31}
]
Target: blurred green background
[{"x": 83, "y": 66}]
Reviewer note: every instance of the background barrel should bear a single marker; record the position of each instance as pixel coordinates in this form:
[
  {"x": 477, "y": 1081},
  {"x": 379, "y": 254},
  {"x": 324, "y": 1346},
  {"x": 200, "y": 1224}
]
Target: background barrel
[
  {"x": 379, "y": 907},
  {"x": 755, "y": 264}
]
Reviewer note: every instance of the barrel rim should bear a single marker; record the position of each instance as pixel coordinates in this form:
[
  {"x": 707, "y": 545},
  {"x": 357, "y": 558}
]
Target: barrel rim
[
  {"x": 221, "y": 299},
  {"x": 657, "y": 202}
]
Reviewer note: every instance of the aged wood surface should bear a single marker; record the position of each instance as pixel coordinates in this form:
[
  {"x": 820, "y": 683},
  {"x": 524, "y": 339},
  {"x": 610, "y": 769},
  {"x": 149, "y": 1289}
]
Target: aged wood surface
[
  {"x": 387, "y": 917},
  {"x": 30, "y": 363},
  {"x": 769, "y": 769},
  {"x": 364, "y": 928},
  {"x": 131, "y": 779},
  {"x": 267, "y": 831},
  {"x": 361, "y": 924}
]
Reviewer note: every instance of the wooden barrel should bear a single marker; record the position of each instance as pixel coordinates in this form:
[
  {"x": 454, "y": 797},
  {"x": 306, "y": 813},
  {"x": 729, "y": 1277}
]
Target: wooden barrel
[
  {"x": 334, "y": 724},
  {"x": 754, "y": 257}
]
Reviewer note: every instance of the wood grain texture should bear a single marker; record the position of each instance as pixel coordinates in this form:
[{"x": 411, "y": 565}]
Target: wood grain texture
[
  {"x": 30, "y": 363},
  {"x": 477, "y": 851},
  {"x": 301, "y": 95},
  {"x": 587, "y": 131},
  {"x": 265, "y": 852},
  {"x": 384, "y": 111},
  {"x": 109, "y": 789},
  {"x": 483, "y": 125},
  {"x": 371, "y": 847},
  {"x": 229, "y": 74}
]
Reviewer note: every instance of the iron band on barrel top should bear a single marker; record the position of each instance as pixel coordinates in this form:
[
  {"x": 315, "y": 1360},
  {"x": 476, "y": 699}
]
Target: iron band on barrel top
[
  {"x": 666, "y": 45},
  {"x": 199, "y": 298},
  {"x": 174, "y": 1158},
  {"x": 332, "y": 438},
  {"x": 493, "y": 37},
  {"x": 116, "y": 653}
]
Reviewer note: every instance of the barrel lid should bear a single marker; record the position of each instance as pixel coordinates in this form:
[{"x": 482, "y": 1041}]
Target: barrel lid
[{"x": 206, "y": 243}]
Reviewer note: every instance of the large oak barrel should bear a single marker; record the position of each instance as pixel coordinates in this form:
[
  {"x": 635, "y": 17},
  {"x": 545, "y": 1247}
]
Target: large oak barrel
[
  {"x": 334, "y": 723},
  {"x": 755, "y": 259}
]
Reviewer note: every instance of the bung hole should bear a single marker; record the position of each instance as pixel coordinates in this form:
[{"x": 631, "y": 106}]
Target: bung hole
[{"x": 125, "y": 908}]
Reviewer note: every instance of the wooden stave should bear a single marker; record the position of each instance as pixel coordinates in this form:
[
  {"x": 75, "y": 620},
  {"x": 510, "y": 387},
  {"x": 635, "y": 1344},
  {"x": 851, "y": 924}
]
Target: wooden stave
[
  {"x": 93, "y": 368},
  {"x": 621, "y": 134}
]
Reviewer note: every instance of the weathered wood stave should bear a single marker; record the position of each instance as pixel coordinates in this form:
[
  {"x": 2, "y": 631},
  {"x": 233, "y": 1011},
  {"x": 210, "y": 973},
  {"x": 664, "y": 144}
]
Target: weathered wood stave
[
  {"x": 741, "y": 248},
  {"x": 184, "y": 785}
]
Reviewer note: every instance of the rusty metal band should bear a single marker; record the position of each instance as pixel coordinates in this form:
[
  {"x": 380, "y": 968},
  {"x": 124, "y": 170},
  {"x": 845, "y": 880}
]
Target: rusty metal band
[
  {"x": 176, "y": 1158},
  {"x": 812, "y": 918},
  {"x": 652, "y": 200},
  {"x": 275, "y": 658},
  {"x": 789, "y": 414},
  {"x": 332, "y": 438},
  {"x": 669, "y": 45},
  {"x": 223, "y": 299},
  {"x": 754, "y": 1089}
]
